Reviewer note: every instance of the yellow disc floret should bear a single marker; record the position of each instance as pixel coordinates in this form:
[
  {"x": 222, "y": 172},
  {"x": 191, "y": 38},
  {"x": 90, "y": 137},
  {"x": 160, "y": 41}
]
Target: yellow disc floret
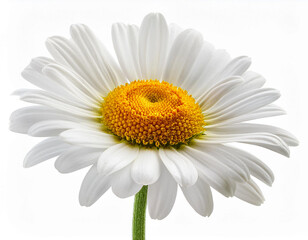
[{"x": 150, "y": 112}]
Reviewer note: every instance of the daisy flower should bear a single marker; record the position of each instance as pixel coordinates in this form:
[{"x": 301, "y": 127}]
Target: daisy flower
[{"x": 158, "y": 120}]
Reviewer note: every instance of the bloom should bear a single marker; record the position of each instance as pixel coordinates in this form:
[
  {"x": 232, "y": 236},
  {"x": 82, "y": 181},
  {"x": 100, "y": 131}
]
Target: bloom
[{"x": 163, "y": 117}]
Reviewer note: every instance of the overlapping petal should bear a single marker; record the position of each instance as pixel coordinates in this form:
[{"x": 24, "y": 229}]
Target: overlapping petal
[
  {"x": 123, "y": 185},
  {"x": 126, "y": 45},
  {"x": 82, "y": 72},
  {"x": 94, "y": 185},
  {"x": 88, "y": 138},
  {"x": 46, "y": 149},
  {"x": 162, "y": 195},
  {"x": 116, "y": 157},
  {"x": 200, "y": 197},
  {"x": 146, "y": 167},
  {"x": 183, "y": 171},
  {"x": 75, "y": 158}
]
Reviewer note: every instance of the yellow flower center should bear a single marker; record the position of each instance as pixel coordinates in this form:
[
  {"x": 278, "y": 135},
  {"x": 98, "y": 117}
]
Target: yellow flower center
[{"x": 150, "y": 112}]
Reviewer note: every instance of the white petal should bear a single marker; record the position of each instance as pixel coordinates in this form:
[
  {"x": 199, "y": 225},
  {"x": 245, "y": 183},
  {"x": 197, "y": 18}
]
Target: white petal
[
  {"x": 96, "y": 55},
  {"x": 123, "y": 184},
  {"x": 89, "y": 138},
  {"x": 263, "y": 112},
  {"x": 75, "y": 85},
  {"x": 117, "y": 157},
  {"x": 235, "y": 166},
  {"x": 216, "y": 174},
  {"x": 39, "y": 63},
  {"x": 125, "y": 41},
  {"x": 51, "y": 127},
  {"x": 76, "y": 158},
  {"x": 174, "y": 31},
  {"x": 199, "y": 197},
  {"x": 192, "y": 81},
  {"x": 183, "y": 53},
  {"x": 241, "y": 104},
  {"x": 153, "y": 44},
  {"x": 161, "y": 195},
  {"x": 46, "y": 149},
  {"x": 22, "y": 119},
  {"x": 265, "y": 140},
  {"x": 49, "y": 75},
  {"x": 210, "y": 97},
  {"x": 253, "y": 80},
  {"x": 181, "y": 168},
  {"x": 236, "y": 67},
  {"x": 247, "y": 128},
  {"x": 218, "y": 59},
  {"x": 145, "y": 169},
  {"x": 256, "y": 167},
  {"x": 249, "y": 192},
  {"x": 50, "y": 100},
  {"x": 33, "y": 74},
  {"x": 93, "y": 187},
  {"x": 67, "y": 53}
]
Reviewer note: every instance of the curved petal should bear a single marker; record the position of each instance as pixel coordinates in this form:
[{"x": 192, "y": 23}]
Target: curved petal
[
  {"x": 235, "y": 166},
  {"x": 248, "y": 128},
  {"x": 153, "y": 44},
  {"x": 88, "y": 138},
  {"x": 181, "y": 168},
  {"x": 217, "y": 61},
  {"x": 210, "y": 97},
  {"x": 126, "y": 44},
  {"x": 262, "y": 139},
  {"x": 183, "y": 53},
  {"x": 49, "y": 128},
  {"x": 253, "y": 80},
  {"x": 46, "y": 149},
  {"x": 192, "y": 81},
  {"x": 67, "y": 53},
  {"x": 236, "y": 67},
  {"x": 123, "y": 184},
  {"x": 216, "y": 68},
  {"x": 22, "y": 119},
  {"x": 161, "y": 195},
  {"x": 263, "y": 112},
  {"x": 76, "y": 158},
  {"x": 39, "y": 63},
  {"x": 98, "y": 59},
  {"x": 256, "y": 167},
  {"x": 94, "y": 185},
  {"x": 145, "y": 169},
  {"x": 241, "y": 104},
  {"x": 200, "y": 197},
  {"x": 216, "y": 174},
  {"x": 174, "y": 31},
  {"x": 249, "y": 192},
  {"x": 117, "y": 157},
  {"x": 33, "y": 74},
  {"x": 75, "y": 85},
  {"x": 53, "y": 101}
]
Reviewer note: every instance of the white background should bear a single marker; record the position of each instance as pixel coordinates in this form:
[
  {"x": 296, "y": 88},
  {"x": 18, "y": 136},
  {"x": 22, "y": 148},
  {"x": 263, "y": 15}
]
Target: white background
[{"x": 40, "y": 203}]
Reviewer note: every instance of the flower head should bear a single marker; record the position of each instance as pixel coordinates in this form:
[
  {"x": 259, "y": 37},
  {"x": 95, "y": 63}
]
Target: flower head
[{"x": 163, "y": 117}]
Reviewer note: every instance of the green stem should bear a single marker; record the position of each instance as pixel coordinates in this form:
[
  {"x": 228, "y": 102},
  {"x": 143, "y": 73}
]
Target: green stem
[{"x": 139, "y": 214}]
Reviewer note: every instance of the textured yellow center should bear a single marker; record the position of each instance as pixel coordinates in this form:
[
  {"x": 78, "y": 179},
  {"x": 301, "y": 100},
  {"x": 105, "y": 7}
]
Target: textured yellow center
[{"x": 150, "y": 112}]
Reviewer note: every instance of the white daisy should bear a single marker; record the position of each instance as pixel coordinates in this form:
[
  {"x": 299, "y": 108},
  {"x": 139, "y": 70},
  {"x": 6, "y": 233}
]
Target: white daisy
[{"x": 162, "y": 118}]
